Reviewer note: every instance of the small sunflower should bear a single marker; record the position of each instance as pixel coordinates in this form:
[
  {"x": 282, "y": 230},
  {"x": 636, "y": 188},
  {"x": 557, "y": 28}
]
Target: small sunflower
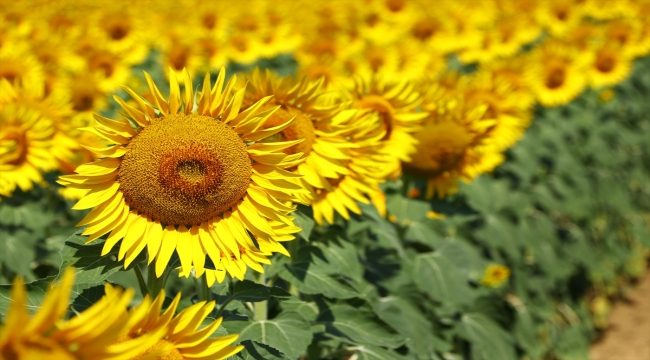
[
  {"x": 191, "y": 178},
  {"x": 609, "y": 66},
  {"x": 495, "y": 275},
  {"x": 26, "y": 138},
  {"x": 48, "y": 335},
  {"x": 181, "y": 337},
  {"x": 453, "y": 145},
  {"x": 341, "y": 145},
  {"x": 395, "y": 103},
  {"x": 556, "y": 74}
]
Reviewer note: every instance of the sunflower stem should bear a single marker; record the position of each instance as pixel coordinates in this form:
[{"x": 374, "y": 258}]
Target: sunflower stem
[
  {"x": 154, "y": 283},
  {"x": 202, "y": 288},
  {"x": 141, "y": 283},
  {"x": 260, "y": 308}
]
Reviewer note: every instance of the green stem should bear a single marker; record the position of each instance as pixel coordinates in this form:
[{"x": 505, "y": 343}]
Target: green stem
[
  {"x": 222, "y": 308},
  {"x": 260, "y": 308},
  {"x": 202, "y": 288},
  {"x": 155, "y": 284},
  {"x": 141, "y": 283}
]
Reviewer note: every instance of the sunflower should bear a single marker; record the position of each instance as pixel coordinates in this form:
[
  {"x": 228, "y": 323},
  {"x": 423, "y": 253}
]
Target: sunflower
[
  {"x": 559, "y": 17},
  {"x": 395, "y": 103},
  {"x": 182, "y": 338},
  {"x": 341, "y": 144},
  {"x": 453, "y": 144},
  {"x": 556, "y": 73},
  {"x": 495, "y": 275},
  {"x": 192, "y": 181},
  {"x": 609, "y": 66},
  {"x": 20, "y": 66},
  {"x": 25, "y": 142},
  {"x": 48, "y": 335},
  {"x": 511, "y": 71},
  {"x": 504, "y": 104}
]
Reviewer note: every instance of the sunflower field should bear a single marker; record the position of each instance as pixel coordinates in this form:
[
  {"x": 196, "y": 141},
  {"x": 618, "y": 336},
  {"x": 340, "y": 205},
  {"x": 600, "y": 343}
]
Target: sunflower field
[{"x": 311, "y": 179}]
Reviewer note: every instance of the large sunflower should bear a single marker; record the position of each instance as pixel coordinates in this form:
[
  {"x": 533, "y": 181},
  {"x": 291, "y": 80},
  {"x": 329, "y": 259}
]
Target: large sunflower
[
  {"x": 182, "y": 338},
  {"x": 26, "y": 139},
  {"x": 395, "y": 103},
  {"x": 48, "y": 335},
  {"x": 454, "y": 145},
  {"x": 191, "y": 178},
  {"x": 342, "y": 144}
]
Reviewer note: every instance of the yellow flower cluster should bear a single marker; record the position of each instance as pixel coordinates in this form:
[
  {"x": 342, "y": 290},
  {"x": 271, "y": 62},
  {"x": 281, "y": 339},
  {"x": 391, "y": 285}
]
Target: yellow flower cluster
[
  {"x": 213, "y": 172},
  {"x": 108, "y": 330}
]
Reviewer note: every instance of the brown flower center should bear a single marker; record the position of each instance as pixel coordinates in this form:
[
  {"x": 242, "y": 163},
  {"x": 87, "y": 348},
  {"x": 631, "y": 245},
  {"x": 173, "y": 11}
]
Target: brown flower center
[
  {"x": 555, "y": 78},
  {"x": 16, "y": 143},
  {"x": 185, "y": 169},
  {"x": 441, "y": 147}
]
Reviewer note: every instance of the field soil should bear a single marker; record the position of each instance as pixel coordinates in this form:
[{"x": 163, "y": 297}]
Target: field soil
[{"x": 628, "y": 336}]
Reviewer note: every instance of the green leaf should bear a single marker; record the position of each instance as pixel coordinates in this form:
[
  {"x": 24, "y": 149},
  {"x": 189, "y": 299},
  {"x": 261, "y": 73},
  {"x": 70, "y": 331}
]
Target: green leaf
[
  {"x": 437, "y": 276},
  {"x": 410, "y": 321},
  {"x": 342, "y": 257},
  {"x": 87, "y": 298},
  {"x": 35, "y": 294},
  {"x": 256, "y": 351},
  {"x": 406, "y": 209},
  {"x": 314, "y": 273},
  {"x": 289, "y": 333},
  {"x": 90, "y": 267},
  {"x": 378, "y": 353},
  {"x": 305, "y": 223},
  {"x": 421, "y": 233},
  {"x": 248, "y": 291},
  {"x": 360, "y": 326},
  {"x": 17, "y": 250},
  {"x": 488, "y": 340}
]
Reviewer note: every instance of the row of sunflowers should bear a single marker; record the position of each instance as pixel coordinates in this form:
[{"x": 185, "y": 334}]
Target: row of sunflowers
[{"x": 202, "y": 170}]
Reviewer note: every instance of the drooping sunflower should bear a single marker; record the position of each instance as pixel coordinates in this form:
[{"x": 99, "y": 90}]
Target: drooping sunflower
[
  {"x": 342, "y": 145},
  {"x": 453, "y": 146},
  {"x": 395, "y": 103},
  {"x": 48, "y": 335},
  {"x": 556, "y": 74},
  {"x": 609, "y": 66},
  {"x": 25, "y": 142},
  {"x": 182, "y": 339},
  {"x": 197, "y": 182},
  {"x": 504, "y": 105}
]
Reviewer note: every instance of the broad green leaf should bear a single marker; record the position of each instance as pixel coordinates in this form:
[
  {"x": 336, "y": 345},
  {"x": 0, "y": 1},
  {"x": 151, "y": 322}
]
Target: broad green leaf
[
  {"x": 305, "y": 223},
  {"x": 289, "y": 333},
  {"x": 378, "y": 353},
  {"x": 35, "y": 294},
  {"x": 360, "y": 326},
  {"x": 405, "y": 209},
  {"x": 437, "y": 276},
  {"x": 17, "y": 250},
  {"x": 90, "y": 267},
  {"x": 487, "y": 340},
  {"x": 248, "y": 291},
  {"x": 312, "y": 279},
  {"x": 409, "y": 321},
  {"x": 420, "y": 232}
]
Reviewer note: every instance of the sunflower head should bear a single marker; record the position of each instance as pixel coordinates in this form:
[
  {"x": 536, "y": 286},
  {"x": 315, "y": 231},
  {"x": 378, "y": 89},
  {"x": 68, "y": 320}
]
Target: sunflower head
[
  {"x": 495, "y": 275},
  {"x": 195, "y": 178},
  {"x": 453, "y": 145}
]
